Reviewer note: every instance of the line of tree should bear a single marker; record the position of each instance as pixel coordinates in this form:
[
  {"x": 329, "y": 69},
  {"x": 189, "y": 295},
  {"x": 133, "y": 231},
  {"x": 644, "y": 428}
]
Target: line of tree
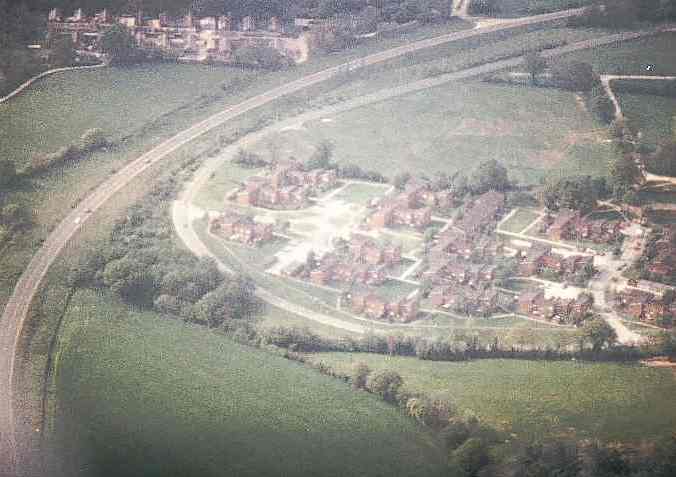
[
  {"x": 143, "y": 266},
  {"x": 476, "y": 449}
]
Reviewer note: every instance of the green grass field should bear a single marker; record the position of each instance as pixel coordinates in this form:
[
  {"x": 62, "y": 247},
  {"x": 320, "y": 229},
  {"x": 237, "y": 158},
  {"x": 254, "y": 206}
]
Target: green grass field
[
  {"x": 519, "y": 8},
  {"x": 521, "y": 219},
  {"x": 652, "y": 115},
  {"x": 607, "y": 401},
  {"x": 139, "y": 395},
  {"x": 533, "y": 131},
  {"x": 632, "y": 58}
]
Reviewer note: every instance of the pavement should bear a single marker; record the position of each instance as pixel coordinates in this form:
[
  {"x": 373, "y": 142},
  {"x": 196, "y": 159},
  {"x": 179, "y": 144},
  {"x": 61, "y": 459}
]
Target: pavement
[{"x": 14, "y": 446}]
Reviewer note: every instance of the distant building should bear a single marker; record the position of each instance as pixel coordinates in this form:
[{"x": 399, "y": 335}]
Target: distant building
[{"x": 199, "y": 38}]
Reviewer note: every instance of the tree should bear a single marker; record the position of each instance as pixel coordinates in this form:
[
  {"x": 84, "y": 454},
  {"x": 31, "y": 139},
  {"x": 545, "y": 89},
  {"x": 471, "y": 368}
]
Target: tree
[
  {"x": 471, "y": 456},
  {"x": 599, "y": 333},
  {"x": 623, "y": 170},
  {"x": 489, "y": 175},
  {"x": 119, "y": 45},
  {"x": 535, "y": 64},
  {"x": 321, "y": 157},
  {"x": 664, "y": 160},
  {"x": 385, "y": 383},
  {"x": 574, "y": 75},
  {"x": 7, "y": 173},
  {"x": 400, "y": 180},
  {"x": 360, "y": 374}
]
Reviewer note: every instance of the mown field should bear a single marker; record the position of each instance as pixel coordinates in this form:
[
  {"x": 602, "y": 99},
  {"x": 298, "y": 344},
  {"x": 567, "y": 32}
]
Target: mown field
[
  {"x": 614, "y": 402},
  {"x": 632, "y": 57},
  {"x": 519, "y": 8},
  {"x": 450, "y": 128},
  {"x": 652, "y": 115},
  {"x": 139, "y": 395}
]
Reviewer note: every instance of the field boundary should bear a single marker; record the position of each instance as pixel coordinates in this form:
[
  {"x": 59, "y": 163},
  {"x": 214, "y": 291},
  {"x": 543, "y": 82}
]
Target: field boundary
[{"x": 44, "y": 74}]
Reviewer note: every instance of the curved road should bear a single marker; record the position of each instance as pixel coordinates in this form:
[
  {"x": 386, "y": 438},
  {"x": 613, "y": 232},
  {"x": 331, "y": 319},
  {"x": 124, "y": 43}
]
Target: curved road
[{"x": 12, "y": 450}]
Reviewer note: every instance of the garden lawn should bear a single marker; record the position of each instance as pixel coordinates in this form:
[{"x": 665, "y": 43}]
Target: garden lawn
[
  {"x": 521, "y": 219},
  {"x": 450, "y": 128},
  {"x": 141, "y": 395},
  {"x": 615, "y": 402}
]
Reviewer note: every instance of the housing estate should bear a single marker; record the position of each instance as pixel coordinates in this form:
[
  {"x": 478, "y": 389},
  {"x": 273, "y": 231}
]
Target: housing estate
[
  {"x": 214, "y": 38},
  {"x": 643, "y": 305},
  {"x": 535, "y": 305},
  {"x": 241, "y": 228},
  {"x": 569, "y": 224},
  {"x": 289, "y": 186},
  {"x": 413, "y": 206},
  {"x": 482, "y": 213},
  {"x": 470, "y": 300},
  {"x": 403, "y": 309},
  {"x": 360, "y": 261},
  {"x": 539, "y": 258}
]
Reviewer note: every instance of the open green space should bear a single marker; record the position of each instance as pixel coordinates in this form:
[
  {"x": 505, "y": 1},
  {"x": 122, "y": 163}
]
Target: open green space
[
  {"x": 520, "y": 8},
  {"x": 361, "y": 193},
  {"x": 632, "y": 57},
  {"x": 519, "y": 285},
  {"x": 446, "y": 128},
  {"x": 652, "y": 115},
  {"x": 521, "y": 219},
  {"x": 614, "y": 402},
  {"x": 141, "y": 395}
]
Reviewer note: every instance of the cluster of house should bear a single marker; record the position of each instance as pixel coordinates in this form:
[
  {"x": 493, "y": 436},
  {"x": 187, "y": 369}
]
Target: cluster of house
[
  {"x": 213, "y": 37},
  {"x": 662, "y": 264},
  {"x": 563, "y": 310},
  {"x": 361, "y": 260},
  {"x": 571, "y": 225},
  {"x": 461, "y": 270},
  {"x": 482, "y": 213},
  {"x": 402, "y": 309},
  {"x": 289, "y": 186},
  {"x": 539, "y": 258},
  {"x": 412, "y": 207},
  {"x": 240, "y": 228},
  {"x": 644, "y": 305}
]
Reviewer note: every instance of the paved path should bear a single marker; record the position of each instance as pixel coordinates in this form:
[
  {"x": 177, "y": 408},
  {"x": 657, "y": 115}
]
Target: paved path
[{"x": 13, "y": 450}]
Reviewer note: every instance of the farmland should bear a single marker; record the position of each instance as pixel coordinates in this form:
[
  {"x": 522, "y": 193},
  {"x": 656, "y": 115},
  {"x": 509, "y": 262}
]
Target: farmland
[
  {"x": 437, "y": 129},
  {"x": 652, "y": 115},
  {"x": 590, "y": 400},
  {"x": 517, "y": 8},
  {"x": 632, "y": 58},
  {"x": 141, "y": 395}
]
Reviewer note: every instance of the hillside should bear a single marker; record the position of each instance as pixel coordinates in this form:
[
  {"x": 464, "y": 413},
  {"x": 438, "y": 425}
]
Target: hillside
[{"x": 139, "y": 395}]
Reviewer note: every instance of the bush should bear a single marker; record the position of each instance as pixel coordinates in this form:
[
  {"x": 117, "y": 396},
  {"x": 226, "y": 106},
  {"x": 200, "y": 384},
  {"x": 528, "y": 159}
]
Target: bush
[{"x": 386, "y": 384}]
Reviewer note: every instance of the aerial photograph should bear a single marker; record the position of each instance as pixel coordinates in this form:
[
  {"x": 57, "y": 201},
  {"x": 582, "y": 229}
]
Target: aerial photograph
[{"x": 342, "y": 238}]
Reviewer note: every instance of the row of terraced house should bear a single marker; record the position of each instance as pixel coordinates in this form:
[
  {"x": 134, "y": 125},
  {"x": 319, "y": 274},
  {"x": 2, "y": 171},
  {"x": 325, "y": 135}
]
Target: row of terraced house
[
  {"x": 564, "y": 310},
  {"x": 413, "y": 207},
  {"x": 240, "y": 228},
  {"x": 569, "y": 224},
  {"x": 360, "y": 260},
  {"x": 214, "y": 38},
  {"x": 289, "y": 186}
]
